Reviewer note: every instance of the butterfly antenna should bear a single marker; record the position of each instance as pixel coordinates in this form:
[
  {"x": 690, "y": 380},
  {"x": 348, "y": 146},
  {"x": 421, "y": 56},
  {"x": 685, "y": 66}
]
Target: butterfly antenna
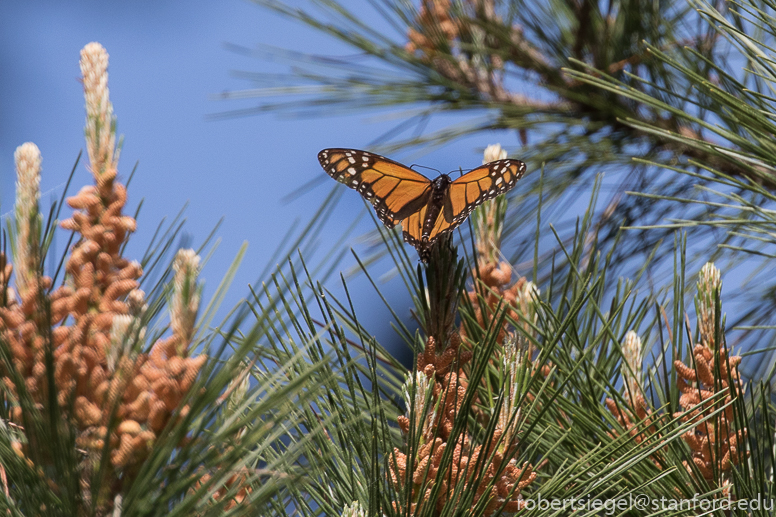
[
  {"x": 424, "y": 167},
  {"x": 460, "y": 172}
]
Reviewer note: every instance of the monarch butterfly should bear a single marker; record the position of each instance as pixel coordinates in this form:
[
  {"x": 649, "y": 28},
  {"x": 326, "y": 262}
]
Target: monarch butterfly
[{"x": 426, "y": 209}]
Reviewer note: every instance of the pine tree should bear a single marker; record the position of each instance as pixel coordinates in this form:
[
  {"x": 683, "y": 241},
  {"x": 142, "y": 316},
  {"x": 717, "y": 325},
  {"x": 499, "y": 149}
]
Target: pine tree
[{"x": 557, "y": 386}]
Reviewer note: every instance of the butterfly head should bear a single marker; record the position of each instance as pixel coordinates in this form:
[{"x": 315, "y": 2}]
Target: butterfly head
[{"x": 441, "y": 183}]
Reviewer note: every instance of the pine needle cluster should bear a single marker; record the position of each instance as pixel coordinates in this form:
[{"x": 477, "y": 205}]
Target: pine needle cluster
[{"x": 105, "y": 411}]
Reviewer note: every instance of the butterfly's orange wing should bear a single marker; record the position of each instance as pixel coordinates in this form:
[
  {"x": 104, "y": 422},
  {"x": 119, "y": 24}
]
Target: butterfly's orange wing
[
  {"x": 463, "y": 196},
  {"x": 394, "y": 190},
  {"x": 477, "y": 186},
  {"x": 412, "y": 229}
]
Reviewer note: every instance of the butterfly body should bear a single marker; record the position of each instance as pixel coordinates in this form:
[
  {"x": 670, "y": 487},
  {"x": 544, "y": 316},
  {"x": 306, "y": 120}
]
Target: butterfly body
[
  {"x": 425, "y": 208},
  {"x": 440, "y": 188}
]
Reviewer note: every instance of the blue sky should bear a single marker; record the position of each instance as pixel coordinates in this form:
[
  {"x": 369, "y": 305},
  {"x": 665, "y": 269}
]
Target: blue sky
[{"x": 168, "y": 63}]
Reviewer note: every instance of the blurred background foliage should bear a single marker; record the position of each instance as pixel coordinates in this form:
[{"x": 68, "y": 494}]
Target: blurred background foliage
[{"x": 633, "y": 90}]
